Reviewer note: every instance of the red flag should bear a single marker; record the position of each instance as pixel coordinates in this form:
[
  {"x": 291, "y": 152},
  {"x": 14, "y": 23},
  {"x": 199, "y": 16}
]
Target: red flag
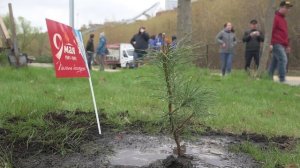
[{"x": 67, "y": 57}]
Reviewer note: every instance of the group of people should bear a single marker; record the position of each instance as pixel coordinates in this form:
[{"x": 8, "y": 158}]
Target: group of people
[
  {"x": 101, "y": 50},
  {"x": 227, "y": 41},
  {"x": 253, "y": 38},
  {"x": 157, "y": 42},
  {"x": 143, "y": 42},
  {"x": 226, "y": 38}
]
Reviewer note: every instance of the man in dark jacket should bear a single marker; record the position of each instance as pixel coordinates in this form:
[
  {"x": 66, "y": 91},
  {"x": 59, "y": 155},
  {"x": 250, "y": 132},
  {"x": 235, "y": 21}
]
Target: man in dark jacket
[
  {"x": 280, "y": 41},
  {"x": 90, "y": 50},
  {"x": 140, "y": 43},
  {"x": 253, "y": 38}
]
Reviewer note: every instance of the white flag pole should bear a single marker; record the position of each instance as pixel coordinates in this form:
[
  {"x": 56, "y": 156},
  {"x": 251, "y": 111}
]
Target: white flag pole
[
  {"x": 95, "y": 106},
  {"x": 80, "y": 43}
]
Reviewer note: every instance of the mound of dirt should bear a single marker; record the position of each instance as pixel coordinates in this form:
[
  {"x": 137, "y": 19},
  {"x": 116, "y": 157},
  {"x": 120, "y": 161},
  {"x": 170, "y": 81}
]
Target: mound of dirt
[{"x": 172, "y": 162}]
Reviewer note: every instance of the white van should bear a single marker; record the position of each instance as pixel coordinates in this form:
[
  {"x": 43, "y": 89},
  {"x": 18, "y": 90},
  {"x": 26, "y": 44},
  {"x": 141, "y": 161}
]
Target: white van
[{"x": 120, "y": 55}]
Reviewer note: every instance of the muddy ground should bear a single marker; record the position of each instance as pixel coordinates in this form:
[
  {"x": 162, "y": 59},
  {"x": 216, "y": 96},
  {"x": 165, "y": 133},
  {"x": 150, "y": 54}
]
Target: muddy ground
[
  {"x": 116, "y": 150},
  {"x": 133, "y": 149}
]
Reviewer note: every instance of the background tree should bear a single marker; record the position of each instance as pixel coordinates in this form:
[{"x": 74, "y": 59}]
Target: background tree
[
  {"x": 268, "y": 35},
  {"x": 31, "y": 39},
  {"x": 184, "y": 20},
  {"x": 26, "y": 33}
]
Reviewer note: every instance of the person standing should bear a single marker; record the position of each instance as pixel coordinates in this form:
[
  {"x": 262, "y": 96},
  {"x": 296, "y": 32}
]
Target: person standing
[
  {"x": 101, "y": 50},
  {"x": 90, "y": 50},
  {"x": 152, "y": 45},
  {"x": 253, "y": 39},
  {"x": 226, "y": 38},
  {"x": 140, "y": 43},
  {"x": 174, "y": 42},
  {"x": 280, "y": 41},
  {"x": 159, "y": 41}
]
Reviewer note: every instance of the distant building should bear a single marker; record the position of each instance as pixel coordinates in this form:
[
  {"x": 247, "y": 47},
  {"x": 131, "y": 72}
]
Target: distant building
[{"x": 171, "y": 4}]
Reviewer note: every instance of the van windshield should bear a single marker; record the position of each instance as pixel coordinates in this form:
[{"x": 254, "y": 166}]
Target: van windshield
[{"x": 129, "y": 52}]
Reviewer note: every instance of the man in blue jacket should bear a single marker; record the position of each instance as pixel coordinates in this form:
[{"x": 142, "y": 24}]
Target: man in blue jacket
[{"x": 101, "y": 50}]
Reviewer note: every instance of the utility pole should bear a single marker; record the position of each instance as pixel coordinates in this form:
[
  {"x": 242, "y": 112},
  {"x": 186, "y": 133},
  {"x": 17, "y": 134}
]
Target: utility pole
[
  {"x": 14, "y": 34},
  {"x": 71, "y": 13}
]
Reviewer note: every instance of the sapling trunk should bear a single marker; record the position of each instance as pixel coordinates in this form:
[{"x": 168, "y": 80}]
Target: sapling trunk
[
  {"x": 167, "y": 75},
  {"x": 184, "y": 99}
]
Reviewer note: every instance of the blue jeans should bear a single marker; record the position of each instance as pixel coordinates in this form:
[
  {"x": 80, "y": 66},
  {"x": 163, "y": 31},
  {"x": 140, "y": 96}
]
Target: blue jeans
[
  {"x": 279, "y": 60},
  {"x": 226, "y": 59}
]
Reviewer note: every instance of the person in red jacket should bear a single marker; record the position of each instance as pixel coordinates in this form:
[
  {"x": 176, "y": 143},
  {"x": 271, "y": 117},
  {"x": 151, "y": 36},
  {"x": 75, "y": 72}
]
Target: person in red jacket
[{"x": 280, "y": 41}]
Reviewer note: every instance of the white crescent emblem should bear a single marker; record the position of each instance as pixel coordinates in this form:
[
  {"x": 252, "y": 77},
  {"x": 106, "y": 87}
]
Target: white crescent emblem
[{"x": 57, "y": 39}]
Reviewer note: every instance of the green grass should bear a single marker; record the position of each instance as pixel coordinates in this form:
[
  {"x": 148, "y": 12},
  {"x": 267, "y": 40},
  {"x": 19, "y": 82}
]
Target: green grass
[
  {"x": 241, "y": 104},
  {"x": 255, "y": 106},
  {"x": 33, "y": 92},
  {"x": 273, "y": 157},
  {"x": 3, "y": 59}
]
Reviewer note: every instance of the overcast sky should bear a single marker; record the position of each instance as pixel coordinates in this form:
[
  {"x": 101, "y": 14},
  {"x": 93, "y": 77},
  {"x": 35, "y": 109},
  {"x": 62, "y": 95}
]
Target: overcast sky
[{"x": 86, "y": 11}]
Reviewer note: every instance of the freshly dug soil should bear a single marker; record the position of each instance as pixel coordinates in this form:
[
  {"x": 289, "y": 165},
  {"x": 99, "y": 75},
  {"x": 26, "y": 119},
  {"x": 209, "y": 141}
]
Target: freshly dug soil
[{"x": 122, "y": 150}]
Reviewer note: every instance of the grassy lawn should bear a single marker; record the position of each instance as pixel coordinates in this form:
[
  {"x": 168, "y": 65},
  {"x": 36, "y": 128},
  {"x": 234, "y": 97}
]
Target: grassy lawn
[{"x": 241, "y": 104}]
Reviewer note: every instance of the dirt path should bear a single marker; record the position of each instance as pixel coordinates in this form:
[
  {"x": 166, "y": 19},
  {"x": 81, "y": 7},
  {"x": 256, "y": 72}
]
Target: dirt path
[
  {"x": 46, "y": 65},
  {"x": 290, "y": 80},
  {"x": 42, "y": 65},
  {"x": 136, "y": 150}
]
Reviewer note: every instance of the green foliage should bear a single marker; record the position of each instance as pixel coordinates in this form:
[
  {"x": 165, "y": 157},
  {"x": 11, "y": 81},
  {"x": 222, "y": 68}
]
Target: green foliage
[
  {"x": 44, "y": 59},
  {"x": 3, "y": 59},
  {"x": 185, "y": 100},
  {"x": 30, "y": 39}
]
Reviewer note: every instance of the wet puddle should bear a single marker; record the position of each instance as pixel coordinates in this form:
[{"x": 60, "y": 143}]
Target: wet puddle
[
  {"x": 134, "y": 151},
  {"x": 129, "y": 157},
  {"x": 206, "y": 152}
]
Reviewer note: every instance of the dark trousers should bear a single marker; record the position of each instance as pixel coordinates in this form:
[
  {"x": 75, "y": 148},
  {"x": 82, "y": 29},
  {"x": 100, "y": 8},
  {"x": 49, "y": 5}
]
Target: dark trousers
[
  {"x": 138, "y": 56},
  {"x": 89, "y": 59},
  {"x": 248, "y": 58}
]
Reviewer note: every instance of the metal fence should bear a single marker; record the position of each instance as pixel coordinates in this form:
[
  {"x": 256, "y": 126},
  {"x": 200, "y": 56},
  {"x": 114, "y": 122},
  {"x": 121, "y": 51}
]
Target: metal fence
[{"x": 209, "y": 56}]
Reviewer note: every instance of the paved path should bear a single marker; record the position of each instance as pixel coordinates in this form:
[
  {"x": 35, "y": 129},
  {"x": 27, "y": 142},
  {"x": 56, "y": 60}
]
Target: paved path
[
  {"x": 43, "y": 65},
  {"x": 47, "y": 65},
  {"x": 290, "y": 80}
]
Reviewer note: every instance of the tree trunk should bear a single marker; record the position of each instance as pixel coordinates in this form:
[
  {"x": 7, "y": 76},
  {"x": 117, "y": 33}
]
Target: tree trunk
[
  {"x": 14, "y": 35},
  {"x": 184, "y": 21},
  {"x": 177, "y": 141},
  {"x": 269, "y": 18}
]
